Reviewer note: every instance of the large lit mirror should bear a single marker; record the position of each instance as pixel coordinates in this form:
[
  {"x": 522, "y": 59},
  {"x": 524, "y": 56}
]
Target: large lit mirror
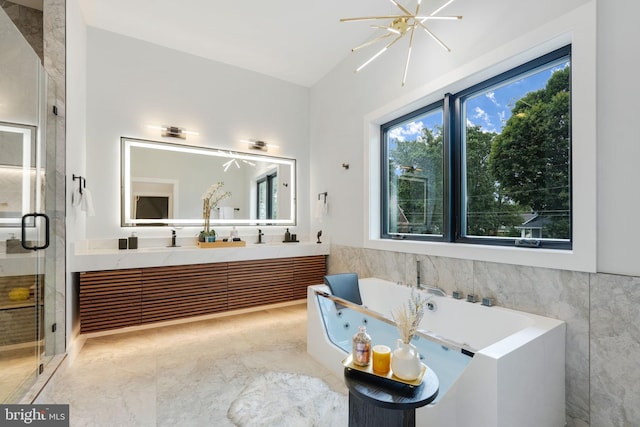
[
  {"x": 163, "y": 185},
  {"x": 20, "y": 176}
]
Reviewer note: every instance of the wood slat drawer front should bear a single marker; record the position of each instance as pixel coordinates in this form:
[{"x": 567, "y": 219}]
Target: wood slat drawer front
[
  {"x": 110, "y": 299},
  {"x": 175, "y": 292},
  {"x": 260, "y": 282},
  {"x": 120, "y": 298},
  {"x": 160, "y": 283},
  {"x": 181, "y": 308},
  {"x": 307, "y": 271}
]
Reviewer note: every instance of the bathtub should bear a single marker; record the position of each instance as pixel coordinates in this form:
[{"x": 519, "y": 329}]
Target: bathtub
[{"x": 497, "y": 367}]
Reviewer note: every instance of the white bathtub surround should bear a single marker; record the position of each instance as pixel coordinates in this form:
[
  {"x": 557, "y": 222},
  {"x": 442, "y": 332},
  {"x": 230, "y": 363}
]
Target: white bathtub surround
[
  {"x": 560, "y": 294},
  {"x": 287, "y": 399},
  {"x": 515, "y": 378}
]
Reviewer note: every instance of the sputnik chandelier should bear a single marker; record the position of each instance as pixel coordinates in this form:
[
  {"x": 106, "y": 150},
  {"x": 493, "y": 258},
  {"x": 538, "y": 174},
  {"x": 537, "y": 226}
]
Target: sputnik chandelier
[{"x": 400, "y": 26}]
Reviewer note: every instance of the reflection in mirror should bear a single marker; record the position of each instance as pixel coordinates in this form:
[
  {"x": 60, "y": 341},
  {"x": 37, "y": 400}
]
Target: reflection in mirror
[
  {"x": 19, "y": 174},
  {"x": 163, "y": 185}
]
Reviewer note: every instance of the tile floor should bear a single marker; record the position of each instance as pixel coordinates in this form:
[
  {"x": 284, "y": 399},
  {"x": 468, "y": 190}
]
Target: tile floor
[
  {"x": 17, "y": 371},
  {"x": 181, "y": 375}
]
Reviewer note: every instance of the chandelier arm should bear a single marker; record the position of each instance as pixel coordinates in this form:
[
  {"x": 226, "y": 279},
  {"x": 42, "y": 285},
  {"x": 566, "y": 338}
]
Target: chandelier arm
[
  {"x": 370, "y": 42},
  {"x": 386, "y": 28},
  {"x": 406, "y": 65},
  {"x": 380, "y": 52},
  {"x": 433, "y": 36},
  {"x": 442, "y": 7},
  {"x": 371, "y": 18},
  {"x": 402, "y": 8},
  {"x": 433, "y": 18}
]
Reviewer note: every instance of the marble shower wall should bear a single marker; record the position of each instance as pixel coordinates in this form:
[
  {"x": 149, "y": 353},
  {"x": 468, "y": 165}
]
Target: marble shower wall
[
  {"x": 602, "y": 375},
  {"x": 29, "y": 22},
  {"x": 54, "y": 35}
]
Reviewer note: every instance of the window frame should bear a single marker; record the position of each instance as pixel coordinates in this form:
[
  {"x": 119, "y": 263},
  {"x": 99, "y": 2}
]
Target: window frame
[
  {"x": 384, "y": 185},
  {"x": 453, "y": 174},
  {"x": 268, "y": 181}
]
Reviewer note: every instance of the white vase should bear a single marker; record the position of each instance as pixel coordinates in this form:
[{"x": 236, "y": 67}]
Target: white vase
[{"x": 405, "y": 362}]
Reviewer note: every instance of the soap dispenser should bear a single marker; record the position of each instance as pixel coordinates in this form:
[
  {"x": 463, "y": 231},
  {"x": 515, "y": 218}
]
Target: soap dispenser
[
  {"x": 234, "y": 234},
  {"x": 133, "y": 241},
  {"x": 287, "y": 236}
]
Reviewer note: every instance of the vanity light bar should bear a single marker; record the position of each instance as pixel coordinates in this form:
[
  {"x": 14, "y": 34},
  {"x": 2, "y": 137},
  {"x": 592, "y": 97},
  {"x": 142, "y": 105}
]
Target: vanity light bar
[{"x": 173, "y": 131}]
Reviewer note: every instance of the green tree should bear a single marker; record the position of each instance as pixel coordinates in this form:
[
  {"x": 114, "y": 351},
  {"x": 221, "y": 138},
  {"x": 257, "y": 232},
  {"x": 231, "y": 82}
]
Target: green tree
[
  {"x": 530, "y": 159},
  {"x": 489, "y": 212},
  {"x": 412, "y": 162}
]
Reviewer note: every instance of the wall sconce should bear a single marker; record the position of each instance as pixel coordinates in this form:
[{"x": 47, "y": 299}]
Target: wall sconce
[
  {"x": 255, "y": 144},
  {"x": 173, "y": 131}
]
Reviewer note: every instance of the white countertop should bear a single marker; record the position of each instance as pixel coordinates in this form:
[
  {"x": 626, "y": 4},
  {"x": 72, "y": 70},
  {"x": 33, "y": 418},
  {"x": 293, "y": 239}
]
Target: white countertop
[
  {"x": 97, "y": 259},
  {"x": 20, "y": 264}
]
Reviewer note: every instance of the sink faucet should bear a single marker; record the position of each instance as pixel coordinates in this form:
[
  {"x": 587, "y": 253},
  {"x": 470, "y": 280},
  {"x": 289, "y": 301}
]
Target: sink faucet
[
  {"x": 418, "y": 285},
  {"x": 173, "y": 237},
  {"x": 260, "y": 234}
]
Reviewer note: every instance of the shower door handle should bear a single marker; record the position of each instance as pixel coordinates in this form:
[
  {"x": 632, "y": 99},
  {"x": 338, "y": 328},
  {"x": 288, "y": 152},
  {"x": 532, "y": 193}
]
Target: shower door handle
[{"x": 35, "y": 215}]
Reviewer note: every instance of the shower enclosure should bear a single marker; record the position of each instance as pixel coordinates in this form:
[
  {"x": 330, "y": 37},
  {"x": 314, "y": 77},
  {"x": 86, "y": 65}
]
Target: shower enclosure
[{"x": 27, "y": 260}]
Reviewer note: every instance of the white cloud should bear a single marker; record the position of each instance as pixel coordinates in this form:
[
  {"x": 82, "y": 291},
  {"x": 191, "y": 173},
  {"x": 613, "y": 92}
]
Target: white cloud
[
  {"x": 408, "y": 131},
  {"x": 396, "y": 133},
  {"x": 492, "y": 97},
  {"x": 481, "y": 114}
]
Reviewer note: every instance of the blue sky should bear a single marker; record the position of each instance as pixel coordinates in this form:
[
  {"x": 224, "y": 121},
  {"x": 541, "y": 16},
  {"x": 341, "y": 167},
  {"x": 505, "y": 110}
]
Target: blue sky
[{"x": 490, "y": 109}]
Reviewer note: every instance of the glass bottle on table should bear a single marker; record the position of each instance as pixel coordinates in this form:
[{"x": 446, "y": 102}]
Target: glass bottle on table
[{"x": 361, "y": 349}]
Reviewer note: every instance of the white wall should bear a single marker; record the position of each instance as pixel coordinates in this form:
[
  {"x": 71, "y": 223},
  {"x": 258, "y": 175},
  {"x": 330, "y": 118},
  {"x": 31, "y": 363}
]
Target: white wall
[
  {"x": 347, "y": 108},
  {"x": 75, "y": 142},
  {"x": 618, "y": 145},
  {"x": 132, "y": 84}
]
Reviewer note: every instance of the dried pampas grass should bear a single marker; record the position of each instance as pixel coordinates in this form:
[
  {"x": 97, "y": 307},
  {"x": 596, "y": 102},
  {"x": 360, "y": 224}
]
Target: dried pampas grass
[{"x": 409, "y": 316}]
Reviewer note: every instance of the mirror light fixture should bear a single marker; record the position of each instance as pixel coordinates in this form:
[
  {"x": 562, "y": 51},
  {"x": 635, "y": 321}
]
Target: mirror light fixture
[
  {"x": 256, "y": 144},
  {"x": 173, "y": 131},
  {"x": 401, "y": 25}
]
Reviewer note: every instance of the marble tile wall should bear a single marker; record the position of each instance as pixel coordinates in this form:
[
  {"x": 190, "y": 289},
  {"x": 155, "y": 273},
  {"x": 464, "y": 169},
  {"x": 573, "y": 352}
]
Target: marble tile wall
[
  {"x": 615, "y": 345},
  {"x": 29, "y": 22},
  {"x": 54, "y": 35},
  {"x": 602, "y": 371}
]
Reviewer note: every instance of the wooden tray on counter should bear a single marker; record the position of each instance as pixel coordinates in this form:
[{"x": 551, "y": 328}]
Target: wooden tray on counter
[{"x": 221, "y": 244}]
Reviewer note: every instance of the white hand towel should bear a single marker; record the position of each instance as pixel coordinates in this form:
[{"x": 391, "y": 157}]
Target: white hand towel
[
  {"x": 76, "y": 198},
  {"x": 87, "y": 202},
  {"x": 226, "y": 212},
  {"x": 321, "y": 209}
]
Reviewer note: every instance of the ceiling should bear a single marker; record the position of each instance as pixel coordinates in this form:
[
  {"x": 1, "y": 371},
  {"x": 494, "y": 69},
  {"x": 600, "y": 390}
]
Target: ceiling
[{"x": 292, "y": 40}]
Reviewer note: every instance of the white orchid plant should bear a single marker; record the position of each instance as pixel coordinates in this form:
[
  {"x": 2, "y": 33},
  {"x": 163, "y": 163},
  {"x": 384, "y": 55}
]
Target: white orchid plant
[{"x": 210, "y": 199}]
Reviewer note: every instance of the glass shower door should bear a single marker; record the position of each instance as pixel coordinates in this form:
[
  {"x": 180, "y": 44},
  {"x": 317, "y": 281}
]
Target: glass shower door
[
  {"x": 25, "y": 228},
  {"x": 27, "y": 271}
]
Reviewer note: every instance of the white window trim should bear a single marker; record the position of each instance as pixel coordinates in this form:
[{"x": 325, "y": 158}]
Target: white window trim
[{"x": 576, "y": 28}]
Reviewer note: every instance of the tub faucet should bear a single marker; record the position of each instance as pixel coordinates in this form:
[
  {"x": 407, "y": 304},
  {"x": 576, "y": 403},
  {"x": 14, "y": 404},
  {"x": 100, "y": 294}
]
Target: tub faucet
[
  {"x": 431, "y": 289},
  {"x": 434, "y": 290}
]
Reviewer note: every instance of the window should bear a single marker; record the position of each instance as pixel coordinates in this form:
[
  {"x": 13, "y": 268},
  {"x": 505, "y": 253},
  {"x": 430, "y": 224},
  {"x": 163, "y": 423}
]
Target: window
[
  {"x": 489, "y": 165},
  {"x": 413, "y": 188},
  {"x": 268, "y": 197}
]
